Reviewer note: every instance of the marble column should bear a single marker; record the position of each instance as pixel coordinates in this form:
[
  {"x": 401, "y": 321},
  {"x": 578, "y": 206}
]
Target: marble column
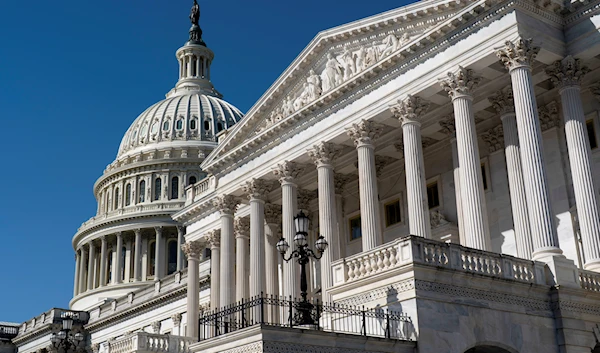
[
  {"x": 459, "y": 87},
  {"x": 448, "y": 127},
  {"x": 517, "y": 58},
  {"x": 272, "y": 229},
  {"x": 176, "y": 318},
  {"x": 137, "y": 256},
  {"x": 323, "y": 156},
  {"x": 338, "y": 242},
  {"x": 180, "y": 254},
  {"x": 227, "y": 205},
  {"x": 363, "y": 133},
  {"x": 257, "y": 191},
  {"x": 77, "y": 265},
  {"x": 214, "y": 241},
  {"x": 103, "y": 260},
  {"x": 193, "y": 250},
  {"x": 503, "y": 103},
  {"x": 82, "y": 271},
  {"x": 242, "y": 236},
  {"x": 566, "y": 75},
  {"x": 288, "y": 172},
  {"x": 159, "y": 262},
  {"x": 117, "y": 278},
  {"x": 410, "y": 113},
  {"x": 91, "y": 267}
]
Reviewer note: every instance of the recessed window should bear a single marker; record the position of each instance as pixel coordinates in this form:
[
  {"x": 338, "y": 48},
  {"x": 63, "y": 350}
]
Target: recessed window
[
  {"x": 193, "y": 124},
  {"x": 172, "y": 256},
  {"x": 144, "y": 129},
  {"x": 591, "y": 131},
  {"x": 174, "y": 188},
  {"x": 219, "y": 127},
  {"x": 109, "y": 268},
  {"x": 154, "y": 128},
  {"x": 142, "y": 190},
  {"x": 484, "y": 176},
  {"x": 433, "y": 195},
  {"x": 392, "y": 213},
  {"x": 206, "y": 125},
  {"x": 157, "y": 187},
  {"x": 179, "y": 124},
  {"x": 128, "y": 194},
  {"x": 192, "y": 180},
  {"x": 151, "y": 258},
  {"x": 355, "y": 229},
  {"x": 116, "y": 198},
  {"x": 166, "y": 126}
]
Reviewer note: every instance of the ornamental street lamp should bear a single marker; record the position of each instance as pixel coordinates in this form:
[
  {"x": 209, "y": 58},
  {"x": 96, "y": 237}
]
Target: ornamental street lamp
[
  {"x": 303, "y": 254},
  {"x": 65, "y": 340}
]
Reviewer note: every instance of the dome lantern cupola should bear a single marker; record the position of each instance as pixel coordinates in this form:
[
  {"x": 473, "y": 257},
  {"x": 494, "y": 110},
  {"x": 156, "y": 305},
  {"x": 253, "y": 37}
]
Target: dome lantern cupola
[{"x": 194, "y": 60}]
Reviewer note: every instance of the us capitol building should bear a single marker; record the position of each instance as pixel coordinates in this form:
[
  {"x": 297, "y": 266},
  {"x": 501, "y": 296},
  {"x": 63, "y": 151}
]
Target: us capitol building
[{"x": 422, "y": 180}]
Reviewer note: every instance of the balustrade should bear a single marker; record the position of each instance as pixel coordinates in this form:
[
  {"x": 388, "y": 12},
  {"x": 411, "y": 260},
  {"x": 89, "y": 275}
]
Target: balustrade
[
  {"x": 148, "y": 342},
  {"x": 589, "y": 280}
]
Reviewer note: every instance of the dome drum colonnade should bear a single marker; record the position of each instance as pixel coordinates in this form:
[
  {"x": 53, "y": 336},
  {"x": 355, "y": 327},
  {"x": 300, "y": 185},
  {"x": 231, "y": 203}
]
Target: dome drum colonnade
[{"x": 536, "y": 236}]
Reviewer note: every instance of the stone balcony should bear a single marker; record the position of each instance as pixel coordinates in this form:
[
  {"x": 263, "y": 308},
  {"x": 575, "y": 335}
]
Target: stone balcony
[{"x": 143, "y": 342}]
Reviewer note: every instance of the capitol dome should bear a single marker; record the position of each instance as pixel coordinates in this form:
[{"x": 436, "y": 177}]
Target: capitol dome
[{"x": 191, "y": 119}]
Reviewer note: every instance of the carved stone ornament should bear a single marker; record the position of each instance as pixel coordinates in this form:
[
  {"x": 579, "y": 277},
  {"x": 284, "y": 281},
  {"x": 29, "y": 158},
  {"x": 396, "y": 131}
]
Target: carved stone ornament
[
  {"x": 399, "y": 146},
  {"x": 156, "y": 326},
  {"x": 381, "y": 162},
  {"x": 448, "y": 125},
  {"x": 494, "y": 137},
  {"x": 340, "y": 181},
  {"x": 364, "y": 132},
  {"x": 549, "y": 116},
  {"x": 595, "y": 89},
  {"x": 241, "y": 227},
  {"x": 272, "y": 213},
  {"x": 176, "y": 319},
  {"x": 461, "y": 83},
  {"x": 257, "y": 189},
  {"x": 428, "y": 141},
  {"x": 437, "y": 219},
  {"x": 193, "y": 249},
  {"x": 288, "y": 171},
  {"x": 95, "y": 348},
  {"x": 305, "y": 197},
  {"x": 324, "y": 153},
  {"x": 566, "y": 72},
  {"x": 503, "y": 101},
  {"x": 213, "y": 238},
  {"x": 411, "y": 109},
  {"x": 520, "y": 54}
]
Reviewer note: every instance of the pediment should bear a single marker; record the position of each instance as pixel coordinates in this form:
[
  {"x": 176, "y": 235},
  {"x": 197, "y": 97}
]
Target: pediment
[{"x": 339, "y": 60}]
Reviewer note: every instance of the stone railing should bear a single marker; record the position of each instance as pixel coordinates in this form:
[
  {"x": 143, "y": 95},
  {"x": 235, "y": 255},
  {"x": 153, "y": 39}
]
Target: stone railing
[
  {"x": 147, "y": 342},
  {"x": 201, "y": 188},
  {"x": 134, "y": 209},
  {"x": 414, "y": 250},
  {"x": 589, "y": 280}
]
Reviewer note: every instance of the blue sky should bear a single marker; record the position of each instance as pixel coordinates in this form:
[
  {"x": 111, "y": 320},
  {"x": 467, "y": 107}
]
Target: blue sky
[{"x": 75, "y": 74}]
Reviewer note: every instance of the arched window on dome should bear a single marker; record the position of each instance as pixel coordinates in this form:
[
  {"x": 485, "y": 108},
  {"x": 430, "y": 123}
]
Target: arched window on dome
[
  {"x": 179, "y": 124},
  {"x": 193, "y": 124},
  {"x": 174, "y": 188},
  {"x": 219, "y": 126},
  {"x": 116, "y": 198},
  {"x": 172, "y": 256},
  {"x": 192, "y": 180},
  {"x": 142, "y": 190},
  {"x": 206, "y": 125},
  {"x": 151, "y": 258},
  {"x": 166, "y": 125},
  {"x": 128, "y": 194},
  {"x": 157, "y": 188}
]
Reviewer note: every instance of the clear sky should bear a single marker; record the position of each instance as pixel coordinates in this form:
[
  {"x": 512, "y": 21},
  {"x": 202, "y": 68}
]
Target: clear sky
[{"x": 75, "y": 74}]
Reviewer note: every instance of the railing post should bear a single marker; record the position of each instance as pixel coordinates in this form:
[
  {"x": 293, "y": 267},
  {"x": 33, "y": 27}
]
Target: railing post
[
  {"x": 318, "y": 315},
  {"x": 290, "y": 312},
  {"x": 364, "y": 321},
  {"x": 262, "y": 309},
  {"x": 388, "y": 334},
  {"x": 243, "y": 314}
]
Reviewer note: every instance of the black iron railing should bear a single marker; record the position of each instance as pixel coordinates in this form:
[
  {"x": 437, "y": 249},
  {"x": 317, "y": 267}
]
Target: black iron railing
[
  {"x": 282, "y": 312},
  {"x": 8, "y": 331}
]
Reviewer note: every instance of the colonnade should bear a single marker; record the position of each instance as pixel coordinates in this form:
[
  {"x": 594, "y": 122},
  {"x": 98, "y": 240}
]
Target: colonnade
[
  {"x": 98, "y": 263},
  {"x": 536, "y": 234},
  {"x": 192, "y": 66}
]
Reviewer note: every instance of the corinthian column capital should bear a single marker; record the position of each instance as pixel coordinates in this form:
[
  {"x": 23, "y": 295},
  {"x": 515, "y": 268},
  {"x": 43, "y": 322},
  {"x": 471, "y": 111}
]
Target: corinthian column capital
[
  {"x": 257, "y": 189},
  {"x": 364, "y": 132},
  {"x": 448, "y": 125},
  {"x": 288, "y": 171},
  {"x": 324, "y": 153},
  {"x": 305, "y": 197},
  {"x": 566, "y": 72},
  {"x": 213, "y": 238},
  {"x": 192, "y": 249},
  {"x": 519, "y": 54},
  {"x": 460, "y": 83},
  {"x": 494, "y": 137},
  {"x": 502, "y": 101},
  {"x": 410, "y": 110},
  {"x": 242, "y": 227},
  {"x": 226, "y": 204},
  {"x": 272, "y": 213},
  {"x": 340, "y": 181}
]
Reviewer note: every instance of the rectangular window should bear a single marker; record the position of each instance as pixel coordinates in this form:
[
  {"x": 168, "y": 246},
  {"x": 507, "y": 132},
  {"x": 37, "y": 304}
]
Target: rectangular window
[
  {"x": 392, "y": 213},
  {"x": 484, "y": 176},
  {"x": 591, "y": 131},
  {"x": 355, "y": 230},
  {"x": 433, "y": 195}
]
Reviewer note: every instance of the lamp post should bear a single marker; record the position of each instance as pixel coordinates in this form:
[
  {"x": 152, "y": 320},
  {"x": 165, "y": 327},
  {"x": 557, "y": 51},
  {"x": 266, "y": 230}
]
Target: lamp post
[
  {"x": 303, "y": 254},
  {"x": 65, "y": 340}
]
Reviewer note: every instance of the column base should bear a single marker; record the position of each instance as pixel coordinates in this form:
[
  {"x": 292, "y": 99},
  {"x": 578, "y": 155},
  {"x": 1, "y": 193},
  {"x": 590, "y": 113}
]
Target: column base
[
  {"x": 561, "y": 271},
  {"x": 543, "y": 253},
  {"x": 593, "y": 265}
]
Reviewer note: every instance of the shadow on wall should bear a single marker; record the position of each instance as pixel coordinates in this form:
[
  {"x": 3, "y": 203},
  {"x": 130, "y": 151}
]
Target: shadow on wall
[{"x": 404, "y": 329}]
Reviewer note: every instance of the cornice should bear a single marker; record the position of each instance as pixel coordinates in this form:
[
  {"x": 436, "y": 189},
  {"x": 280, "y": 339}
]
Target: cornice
[{"x": 197, "y": 210}]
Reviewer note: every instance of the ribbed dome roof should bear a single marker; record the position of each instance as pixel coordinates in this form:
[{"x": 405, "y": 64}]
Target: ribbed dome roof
[{"x": 192, "y": 120}]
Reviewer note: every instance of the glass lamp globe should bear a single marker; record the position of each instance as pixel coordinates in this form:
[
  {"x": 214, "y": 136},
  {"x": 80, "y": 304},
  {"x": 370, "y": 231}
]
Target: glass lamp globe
[
  {"x": 282, "y": 246},
  {"x": 61, "y": 335},
  {"x": 67, "y": 324},
  {"x": 302, "y": 222},
  {"x": 54, "y": 338},
  {"x": 78, "y": 337},
  {"x": 321, "y": 244},
  {"x": 300, "y": 240}
]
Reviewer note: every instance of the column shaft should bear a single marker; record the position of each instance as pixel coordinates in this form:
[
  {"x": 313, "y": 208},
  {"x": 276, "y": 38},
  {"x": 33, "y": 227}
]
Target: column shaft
[
  {"x": 471, "y": 181},
  {"x": 180, "y": 256},
  {"x": 534, "y": 171},
  {"x": 193, "y": 250},
  {"x": 271, "y": 260},
  {"x": 117, "y": 277},
  {"x": 242, "y": 281},
  {"x": 227, "y": 283},
  {"x": 581, "y": 169},
  {"x": 289, "y": 200},
  {"x": 159, "y": 262},
  {"x": 215, "y": 276},
  {"x": 416, "y": 189},
  {"x": 327, "y": 223},
  {"x": 518, "y": 199},
  {"x": 459, "y": 211},
  {"x": 76, "y": 284},
  {"x": 82, "y": 271},
  {"x": 103, "y": 259},
  {"x": 257, "y": 246},
  {"x": 339, "y": 242},
  {"x": 91, "y": 267},
  {"x": 137, "y": 258},
  {"x": 369, "y": 197}
]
